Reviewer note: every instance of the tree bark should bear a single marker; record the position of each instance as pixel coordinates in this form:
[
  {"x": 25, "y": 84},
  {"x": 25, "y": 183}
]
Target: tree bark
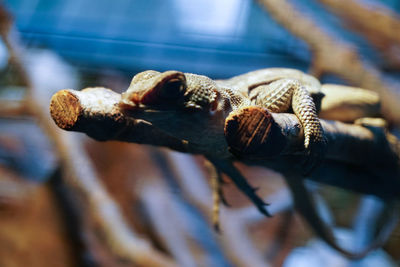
[{"x": 359, "y": 158}]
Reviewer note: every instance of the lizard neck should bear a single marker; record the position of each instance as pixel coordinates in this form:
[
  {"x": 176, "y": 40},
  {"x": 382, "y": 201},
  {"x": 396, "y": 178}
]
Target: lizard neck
[{"x": 231, "y": 99}]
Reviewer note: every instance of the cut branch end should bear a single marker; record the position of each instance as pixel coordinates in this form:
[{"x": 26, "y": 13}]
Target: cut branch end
[
  {"x": 244, "y": 137},
  {"x": 65, "y": 109}
]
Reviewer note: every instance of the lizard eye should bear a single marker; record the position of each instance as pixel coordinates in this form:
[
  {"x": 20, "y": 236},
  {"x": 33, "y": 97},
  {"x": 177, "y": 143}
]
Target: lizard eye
[
  {"x": 153, "y": 88},
  {"x": 172, "y": 89}
]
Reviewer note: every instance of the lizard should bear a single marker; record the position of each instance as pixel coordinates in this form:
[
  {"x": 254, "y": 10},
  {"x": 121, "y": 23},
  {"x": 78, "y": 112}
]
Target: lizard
[{"x": 194, "y": 108}]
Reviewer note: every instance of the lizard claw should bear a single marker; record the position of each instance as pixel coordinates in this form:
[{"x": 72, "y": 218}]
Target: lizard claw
[
  {"x": 315, "y": 152},
  {"x": 240, "y": 181},
  {"x": 220, "y": 192},
  {"x": 260, "y": 204},
  {"x": 250, "y": 193}
]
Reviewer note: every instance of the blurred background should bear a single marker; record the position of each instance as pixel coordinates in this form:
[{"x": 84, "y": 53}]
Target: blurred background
[{"x": 67, "y": 200}]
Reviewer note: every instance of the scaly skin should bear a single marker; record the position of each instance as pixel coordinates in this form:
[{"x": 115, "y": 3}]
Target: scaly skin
[
  {"x": 281, "y": 95},
  {"x": 283, "y": 90},
  {"x": 194, "y": 108},
  {"x": 184, "y": 93}
]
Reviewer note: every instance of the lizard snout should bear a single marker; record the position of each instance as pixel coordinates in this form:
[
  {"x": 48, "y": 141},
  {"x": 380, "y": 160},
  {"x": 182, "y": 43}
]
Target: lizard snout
[{"x": 155, "y": 90}]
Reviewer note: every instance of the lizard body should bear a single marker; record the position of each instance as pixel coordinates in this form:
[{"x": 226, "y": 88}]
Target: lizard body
[
  {"x": 194, "y": 108},
  {"x": 205, "y": 103}
]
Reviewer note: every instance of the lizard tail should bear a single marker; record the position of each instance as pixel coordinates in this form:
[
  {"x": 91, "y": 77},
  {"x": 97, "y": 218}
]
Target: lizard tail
[{"x": 305, "y": 206}]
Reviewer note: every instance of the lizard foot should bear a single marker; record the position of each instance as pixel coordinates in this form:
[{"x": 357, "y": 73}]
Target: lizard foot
[
  {"x": 221, "y": 192},
  {"x": 315, "y": 152},
  {"x": 250, "y": 192},
  {"x": 240, "y": 181}
]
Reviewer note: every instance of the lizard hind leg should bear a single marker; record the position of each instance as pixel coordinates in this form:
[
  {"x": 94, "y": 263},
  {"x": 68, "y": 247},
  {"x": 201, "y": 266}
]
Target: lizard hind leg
[
  {"x": 314, "y": 139},
  {"x": 275, "y": 96},
  {"x": 282, "y": 94},
  {"x": 227, "y": 167}
]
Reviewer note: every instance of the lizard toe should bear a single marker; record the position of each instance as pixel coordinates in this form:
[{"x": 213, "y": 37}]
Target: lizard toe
[{"x": 315, "y": 153}]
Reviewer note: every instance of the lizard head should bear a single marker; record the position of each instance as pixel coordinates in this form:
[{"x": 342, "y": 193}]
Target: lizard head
[
  {"x": 170, "y": 90},
  {"x": 186, "y": 106}
]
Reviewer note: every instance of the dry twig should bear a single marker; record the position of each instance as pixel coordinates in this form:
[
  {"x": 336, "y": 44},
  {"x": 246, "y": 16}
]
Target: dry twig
[
  {"x": 332, "y": 56},
  {"x": 81, "y": 177},
  {"x": 378, "y": 24},
  {"x": 167, "y": 222}
]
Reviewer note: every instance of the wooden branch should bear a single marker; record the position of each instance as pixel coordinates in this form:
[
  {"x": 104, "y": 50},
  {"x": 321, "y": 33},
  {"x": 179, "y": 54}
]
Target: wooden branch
[
  {"x": 95, "y": 112},
  {"x": 14, "y": 109},
  {"x": 362, "y": 159},
  {"x": 82, "y": 178},
  {"x": 5, "y": 20},
  {"x": 284, "y": 136},
  {"x": 335, "y": 57}
]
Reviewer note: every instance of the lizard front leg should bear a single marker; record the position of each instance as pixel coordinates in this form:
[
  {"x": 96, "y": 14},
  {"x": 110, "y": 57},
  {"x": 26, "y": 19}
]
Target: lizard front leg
[
  {"x": 283, "y": 94},
  {"x": 226, "y": 166},
  {"x": 217, "y": 193}
]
